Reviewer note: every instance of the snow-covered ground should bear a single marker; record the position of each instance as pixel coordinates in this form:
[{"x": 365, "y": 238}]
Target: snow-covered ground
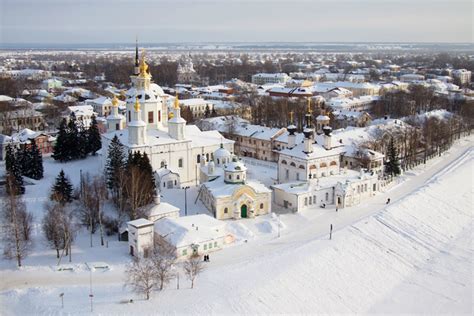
[{"x": 414, "y": 256}]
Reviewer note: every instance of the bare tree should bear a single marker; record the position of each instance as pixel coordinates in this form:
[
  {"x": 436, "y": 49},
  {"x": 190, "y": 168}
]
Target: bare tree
[
  {"x": 141, "y": 276},
  {"x": 137, "y": 191},
  {"x": 164, "y": 257},
  {"x": 58, "y": 228},
  {"x": 193, "y": 266},
  {"x": 17, "y": 225}
]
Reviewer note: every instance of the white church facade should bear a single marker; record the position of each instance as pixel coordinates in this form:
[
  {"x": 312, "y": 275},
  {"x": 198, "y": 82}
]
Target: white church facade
[{"x": 164, "y": 137}]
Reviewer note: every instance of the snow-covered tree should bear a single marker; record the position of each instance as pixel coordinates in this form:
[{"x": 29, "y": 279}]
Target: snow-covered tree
[
  {"x": 193, "y": 266},
  {"x": 115, "y": 163},
  {"x": 35, "y": 162},
  {"x": 141, "y": 276}
]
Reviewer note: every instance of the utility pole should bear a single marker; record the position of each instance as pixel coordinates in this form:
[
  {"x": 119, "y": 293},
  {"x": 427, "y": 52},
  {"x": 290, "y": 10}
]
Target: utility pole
[
  {"x": 279, "y": 224},
  {"x": 90, "y": 294},
  {"x": 185, "y": 202},
  {"x": 61, "y": 295}
]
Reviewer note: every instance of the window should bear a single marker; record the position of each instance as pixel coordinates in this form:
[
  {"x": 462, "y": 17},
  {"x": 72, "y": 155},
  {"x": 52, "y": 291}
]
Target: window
[
  {"x": 365, "y": 187},
  {"x": 210, "y": 245},
  {"x": 159, "y": 116},
  {"x": 333, "y": 163},
  {"x": 310, "y": 201},
  {"x": 129, "y": 116},
  {"x": 218, "y": 161},
  {"x": 180, "y": 163},
  {"x": 163, "y": 164},
  {"x": 287, "y": 174},
  {"x": 238, "y": 177},
  {"x": 293, "y": 164},
  {"x": 301, "y": 167},
  {"x": 205, "y": 246},
  {"x": 226, "y": 210},
  {"x": 305, "y": 201},
  {"x": 261, "y": 205},
  {"x": 185, "y": 252},
  {"x": 314, "y": 199},
  {"x": 215, "y": 244},
  {"x": 164, "y": 184},
  {"x": 207, "y": 157},
  {"x": 230, "y": 177},
  {"x": 323, "y": 165},
  {"x": 198, "y": 158},
  {"x": 327, "y": 196},
  {"x": 175, "y": 182},
  {"x": 298, "y": 176},
  {"x": 283, "y": 162},
  {"x": 150, "y": 117}
]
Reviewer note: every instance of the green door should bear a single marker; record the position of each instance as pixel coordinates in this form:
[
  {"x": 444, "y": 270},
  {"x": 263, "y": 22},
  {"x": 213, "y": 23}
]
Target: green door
[{"x": 243, "y": 211}]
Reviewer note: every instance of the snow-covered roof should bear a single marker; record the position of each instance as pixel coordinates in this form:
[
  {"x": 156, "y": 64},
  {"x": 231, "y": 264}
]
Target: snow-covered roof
[
  {"x": 188, "y": 230},
  {"x": 219, "y": 188},
  {"x": 141, "y": 222}
]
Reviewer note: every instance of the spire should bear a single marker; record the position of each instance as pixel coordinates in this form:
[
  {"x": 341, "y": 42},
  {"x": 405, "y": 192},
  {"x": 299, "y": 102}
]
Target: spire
[
  {"x": 309, "y": 114},
  {"x": 136, "y": 51}
]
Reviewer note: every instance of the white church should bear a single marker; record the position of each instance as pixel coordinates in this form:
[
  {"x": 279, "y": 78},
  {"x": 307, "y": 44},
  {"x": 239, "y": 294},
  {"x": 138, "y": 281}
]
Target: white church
[{"x": 166, "y": 139}]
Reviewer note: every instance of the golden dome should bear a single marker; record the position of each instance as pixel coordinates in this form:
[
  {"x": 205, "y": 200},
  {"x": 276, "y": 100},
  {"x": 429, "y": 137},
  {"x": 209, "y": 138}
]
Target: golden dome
[
  {"x": 115, "y": 101},
  {"x": 176, "y": 101},
  {"x": 137, "y": 104},
  {"x": 144, "y": 67}
]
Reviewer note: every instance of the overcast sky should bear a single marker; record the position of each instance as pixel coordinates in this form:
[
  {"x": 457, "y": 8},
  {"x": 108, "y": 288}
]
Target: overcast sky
[{"x": 119, "y": 21}]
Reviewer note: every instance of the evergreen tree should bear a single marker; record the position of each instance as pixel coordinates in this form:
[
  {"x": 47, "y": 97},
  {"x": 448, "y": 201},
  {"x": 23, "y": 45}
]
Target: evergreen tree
[
  {"x": 82, "y": 142},
  {"x": 9, "y": 157},
  {"x": 60, "y": 148},
  {"x": 213, "y": 113},
  {"x": 22, "y": 157},
  {"x": 146, "y": 173},
  {"x": 62, "y": 189},
  {"x": 115, "y": 163},
  {"x": 393, "y": 164},
  {"x": 74, "y": 147},
  {"x": 207, "y": 112},
  {"x": 94, "y": 142},
  {"x": 35, "y": 162},
  {"x": 14, "y": 175}
]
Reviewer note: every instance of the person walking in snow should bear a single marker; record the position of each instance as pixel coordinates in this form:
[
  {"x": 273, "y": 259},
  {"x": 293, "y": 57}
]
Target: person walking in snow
[{"x": 388, "y": 201}]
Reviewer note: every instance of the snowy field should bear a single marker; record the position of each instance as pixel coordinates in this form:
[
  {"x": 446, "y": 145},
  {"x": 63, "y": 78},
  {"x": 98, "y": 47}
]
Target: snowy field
[{"x": 414, "y": 256}]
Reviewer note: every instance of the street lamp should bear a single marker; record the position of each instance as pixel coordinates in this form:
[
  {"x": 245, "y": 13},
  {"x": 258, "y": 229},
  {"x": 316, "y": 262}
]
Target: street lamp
[{"x": 185, "y": 202}]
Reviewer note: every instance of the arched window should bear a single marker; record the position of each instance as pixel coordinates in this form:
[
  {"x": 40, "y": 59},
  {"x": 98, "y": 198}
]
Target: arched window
[
  {"x": 230, "y": 177},
  {"x": 226, "y": 210},
  {"x": 163, "y": 163},
  {"x": 207, "y": 157},
  {"x": 180, "y": 163},
  {"x": 323, "y": 165},
  {"x": 261, "y": 205},
  {"x": 293, "y": 164},
  {"x": 301, "y": 167},
  {"x": 284, "y": 162},
  {"x": 218, "y": 161},
  {"x": 312, "y": 167},
  {"x": 333, "y": 163},
  {"x": 238, "y": 177},
  {"x": 198, "y": 158}
]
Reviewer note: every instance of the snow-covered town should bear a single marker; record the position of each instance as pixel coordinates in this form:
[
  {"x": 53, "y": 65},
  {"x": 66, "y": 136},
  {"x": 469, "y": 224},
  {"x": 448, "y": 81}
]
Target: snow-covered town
[{"x": 216, "y": 177}]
